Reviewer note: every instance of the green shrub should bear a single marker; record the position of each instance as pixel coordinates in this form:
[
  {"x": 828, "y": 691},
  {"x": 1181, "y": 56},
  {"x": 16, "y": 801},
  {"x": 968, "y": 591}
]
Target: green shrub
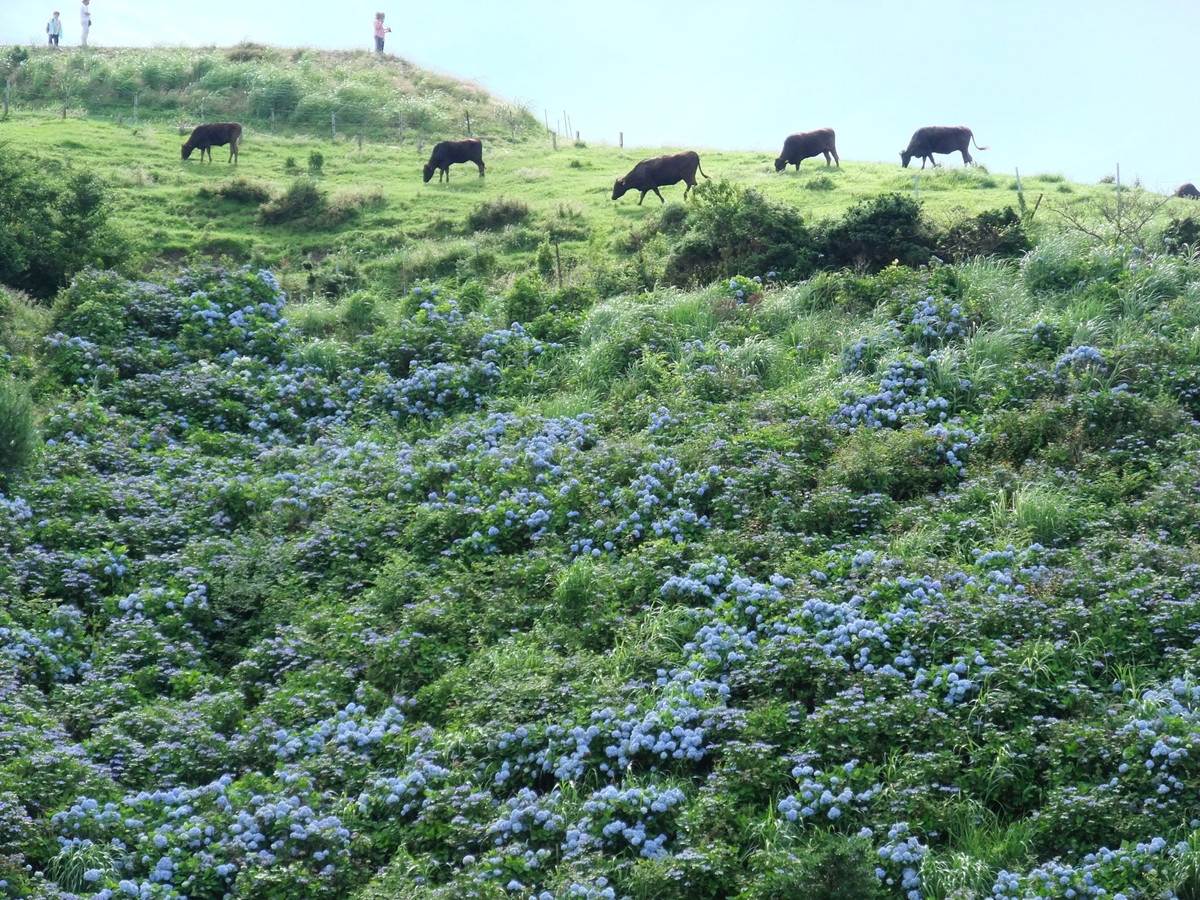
[
  {"x": 734, "y": 229},
  {"x": 902, "y": 464},
  {"x": 830, "y": 867},
  {"x": 302, "y": 201},
  {"x": 709, "y": 873},
  {"x": 526, "y": 301},
  {"x": 55, "y": 224},
  {"x": 1065, "y": 263},
  {"x": 877, "y": 231},
  {"x": 239, "y": 190},
  {"x": 493, "y": 215},
  {"x": 18, "y": 430},
  {"x": 1182, "y": 233},
  {"x": 991, "y": 233},
  {"x": 360, "y": 314}
]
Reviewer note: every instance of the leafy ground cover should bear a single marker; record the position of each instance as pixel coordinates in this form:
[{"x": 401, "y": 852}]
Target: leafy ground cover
[
  {"x": 494, "y": 539},
  {"x": 874, "y": 583}
]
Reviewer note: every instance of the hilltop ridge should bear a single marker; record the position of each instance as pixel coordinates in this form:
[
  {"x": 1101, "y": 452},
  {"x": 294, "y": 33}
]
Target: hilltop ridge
[{"x": 285, "y": 90}]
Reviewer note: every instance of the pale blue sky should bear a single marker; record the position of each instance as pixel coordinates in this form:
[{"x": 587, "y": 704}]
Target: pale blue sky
[{"x": 1065, "y": 86}]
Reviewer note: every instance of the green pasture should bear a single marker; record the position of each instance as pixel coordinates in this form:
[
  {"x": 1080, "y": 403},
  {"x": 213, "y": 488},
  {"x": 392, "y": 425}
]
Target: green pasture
[{"x": 173, "y": 209}]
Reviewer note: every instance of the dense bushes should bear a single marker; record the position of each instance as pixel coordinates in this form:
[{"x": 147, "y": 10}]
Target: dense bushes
[
  {"x": 733, "y": 229},
  {"x": 18, "y": 435},
  {"x": 770, "y": 595},
  {"x": 875, "y": 232},
  {"x": 53, "y": 223}
]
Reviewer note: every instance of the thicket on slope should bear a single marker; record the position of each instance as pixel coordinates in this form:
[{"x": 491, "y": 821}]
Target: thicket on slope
[
  {"x": 303, "y": 200},
  {"x": 18, "y": 432},
  {"x": 53, "y": 223},
  {"x": 493, "y": 215},
  {"x": 876, "y": 231},
  {"x": 994, "y": 232},
  {"x": 733, "y": 229}
]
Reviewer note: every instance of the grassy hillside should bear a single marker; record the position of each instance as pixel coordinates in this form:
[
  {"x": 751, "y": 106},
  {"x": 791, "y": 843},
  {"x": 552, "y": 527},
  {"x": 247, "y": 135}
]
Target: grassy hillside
[
  {"x": 381, "y": 215},
  {"x": 282, "y": 90},
  {"x": 449, "y": 579},
  {"x": 375, "y": 224}
]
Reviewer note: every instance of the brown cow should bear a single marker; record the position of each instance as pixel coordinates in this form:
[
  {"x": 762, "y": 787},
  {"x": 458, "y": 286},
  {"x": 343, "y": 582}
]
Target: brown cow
[
  {"x": 805, "y": 145},
  {"x": 939, "y": 139},
  {"x": 214, "y": 134},
  {"x": 1187, "y": 190},
  {"x": 446, "y": 153},
  {"x": 659, "y": 171}
]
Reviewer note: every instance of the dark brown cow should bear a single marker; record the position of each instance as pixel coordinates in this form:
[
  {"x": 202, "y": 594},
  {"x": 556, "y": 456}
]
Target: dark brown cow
[
  {"x": 939, "y": 139},
  {"x": 447, "y": 153},
  {"x": 660, "y": 171},
  {"x": 214, "y": 134},
  {"x": 1187, "y": 190},
  {"x": 806, "y": 145}
]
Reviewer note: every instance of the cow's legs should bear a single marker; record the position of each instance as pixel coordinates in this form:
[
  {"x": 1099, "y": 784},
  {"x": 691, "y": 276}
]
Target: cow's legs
[
  {"x": 480, "y": 169},
  {"x": 660, "y": 196},
  {"x": 966, "y": 157}
]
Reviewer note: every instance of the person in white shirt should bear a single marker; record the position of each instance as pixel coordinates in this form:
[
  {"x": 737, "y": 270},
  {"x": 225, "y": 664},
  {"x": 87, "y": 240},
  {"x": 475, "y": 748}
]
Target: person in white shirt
[{"x": 85, "y": 22}]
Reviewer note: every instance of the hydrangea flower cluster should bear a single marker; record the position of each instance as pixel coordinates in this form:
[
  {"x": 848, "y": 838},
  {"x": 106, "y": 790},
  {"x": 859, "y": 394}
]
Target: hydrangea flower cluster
[
  {"x": 624, "y": 638},
  {"x": 904, "y": 394}
]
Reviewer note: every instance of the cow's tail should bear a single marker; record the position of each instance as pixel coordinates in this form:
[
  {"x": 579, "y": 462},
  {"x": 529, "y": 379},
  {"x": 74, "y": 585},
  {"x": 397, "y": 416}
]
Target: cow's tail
[
  {"x": 700, "y": 170},
  {"x": 977, "y": 147}
]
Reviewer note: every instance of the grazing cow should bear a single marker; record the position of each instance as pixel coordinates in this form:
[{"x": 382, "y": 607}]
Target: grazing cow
[
  {"x": 214, "y": 134},
  {"x": 446, "y": 153},
  {"x": 660, "y": 171},
  {"x": 939, "y": 139},
  {"x": 1187, "y": 190},
  {"x": 806, "y": 145}
]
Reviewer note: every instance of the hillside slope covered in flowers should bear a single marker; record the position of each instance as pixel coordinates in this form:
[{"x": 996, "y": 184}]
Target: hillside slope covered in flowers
[{"x": 871, "y": 586}]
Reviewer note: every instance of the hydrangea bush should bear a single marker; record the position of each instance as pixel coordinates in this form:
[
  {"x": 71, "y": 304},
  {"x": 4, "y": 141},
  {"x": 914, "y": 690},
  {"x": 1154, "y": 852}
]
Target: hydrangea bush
[{"x": 440, "y": 618}]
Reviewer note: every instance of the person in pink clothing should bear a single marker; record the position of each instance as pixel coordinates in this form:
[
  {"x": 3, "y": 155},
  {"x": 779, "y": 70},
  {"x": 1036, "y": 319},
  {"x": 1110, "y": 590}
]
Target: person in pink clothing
[{"x": 380, "y": 31}]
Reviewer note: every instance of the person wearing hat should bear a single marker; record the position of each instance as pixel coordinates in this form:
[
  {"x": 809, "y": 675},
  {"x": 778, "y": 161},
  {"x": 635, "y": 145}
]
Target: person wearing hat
[{"x": 85, "y": 22}]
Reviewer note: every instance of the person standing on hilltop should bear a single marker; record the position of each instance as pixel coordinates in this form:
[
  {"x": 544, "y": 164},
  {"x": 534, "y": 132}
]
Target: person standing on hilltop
[
  {"x": 380, "y": 31},
  {"x": 85, "y": 22},
  {"x": 54, "y": 29}
]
